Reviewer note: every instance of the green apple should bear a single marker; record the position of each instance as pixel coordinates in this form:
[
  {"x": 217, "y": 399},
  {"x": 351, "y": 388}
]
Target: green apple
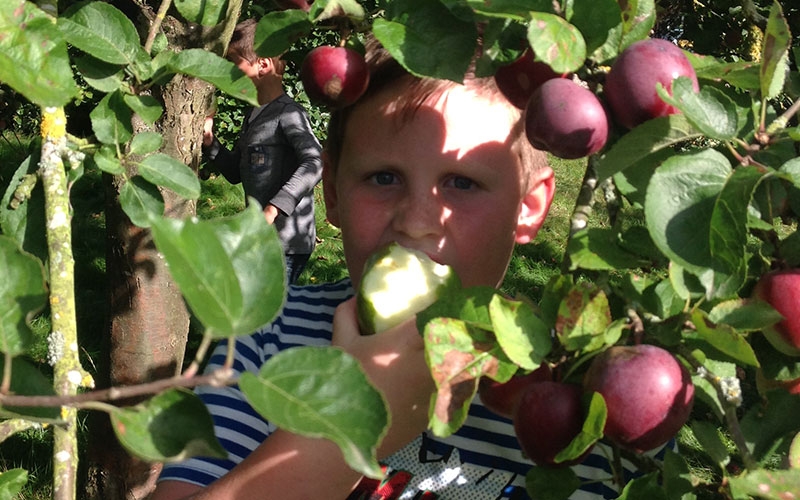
[{"x": 397, "y": 283}]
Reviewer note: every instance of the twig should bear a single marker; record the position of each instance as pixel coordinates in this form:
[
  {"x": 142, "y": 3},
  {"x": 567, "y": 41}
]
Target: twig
[
  {"x": 217, "y": 378},
  {"x": 728, "y": 406}
]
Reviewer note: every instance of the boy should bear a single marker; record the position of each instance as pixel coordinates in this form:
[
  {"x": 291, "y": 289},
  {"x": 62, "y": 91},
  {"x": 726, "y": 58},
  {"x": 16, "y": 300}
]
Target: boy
[
  {"x": 436, "y": 166},
  {"x": 277, "y": 157}
]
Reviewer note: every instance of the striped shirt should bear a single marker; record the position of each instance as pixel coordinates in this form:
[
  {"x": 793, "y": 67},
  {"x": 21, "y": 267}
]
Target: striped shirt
[{"x": 482, "y": 460}]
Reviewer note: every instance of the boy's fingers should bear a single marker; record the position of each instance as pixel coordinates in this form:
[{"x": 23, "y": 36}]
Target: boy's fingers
[{"x": 345, "y": 323}]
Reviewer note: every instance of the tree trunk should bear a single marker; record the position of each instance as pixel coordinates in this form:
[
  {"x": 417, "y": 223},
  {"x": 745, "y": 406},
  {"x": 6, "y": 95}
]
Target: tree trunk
[{"x": 148, "y": 321}]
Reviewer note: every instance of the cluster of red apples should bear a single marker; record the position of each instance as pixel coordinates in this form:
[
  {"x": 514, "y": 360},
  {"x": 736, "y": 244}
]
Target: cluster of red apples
[
  {"x": 648, "y": 394},
  {"x": 562, "y": 116},
  {"x": 570, "y": 121}
]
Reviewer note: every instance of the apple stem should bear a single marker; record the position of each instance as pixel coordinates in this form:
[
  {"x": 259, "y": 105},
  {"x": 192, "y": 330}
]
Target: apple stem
[
  {"x": 637, "y": 326},
  {"x": 728, "y": 407}
]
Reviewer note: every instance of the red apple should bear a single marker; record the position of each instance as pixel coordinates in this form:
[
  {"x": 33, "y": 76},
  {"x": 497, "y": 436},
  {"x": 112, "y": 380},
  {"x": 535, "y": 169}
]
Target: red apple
[
  {"x": 502, "y": 398},
  {"x": 630, "y": 86},
  {"x": 548, "y": 417},
  {"x": 303, "y": 5},
  {"x": 518, "y": 80},
  {"x": 566, "y": 120},
  {"x": 648, "y": 393},
  {"x": 334, "y": 76},
  {"x": 781, "y": 290}
]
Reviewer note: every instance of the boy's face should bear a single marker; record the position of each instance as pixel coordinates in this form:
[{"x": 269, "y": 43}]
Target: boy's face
[{"x": 445, "y": 182}]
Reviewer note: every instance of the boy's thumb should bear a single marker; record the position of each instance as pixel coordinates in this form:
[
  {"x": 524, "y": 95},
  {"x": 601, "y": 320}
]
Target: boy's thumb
[{"x": 345, "y": 323}]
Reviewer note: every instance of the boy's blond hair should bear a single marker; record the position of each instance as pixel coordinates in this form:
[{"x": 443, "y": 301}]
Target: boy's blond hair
[
  {"x": 386, "y": 72},
  {"x": 242, "y": 45}
]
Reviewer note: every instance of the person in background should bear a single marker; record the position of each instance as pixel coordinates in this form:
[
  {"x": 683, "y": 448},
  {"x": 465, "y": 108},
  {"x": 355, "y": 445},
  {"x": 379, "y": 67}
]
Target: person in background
[{"x": 276, "y": 157}]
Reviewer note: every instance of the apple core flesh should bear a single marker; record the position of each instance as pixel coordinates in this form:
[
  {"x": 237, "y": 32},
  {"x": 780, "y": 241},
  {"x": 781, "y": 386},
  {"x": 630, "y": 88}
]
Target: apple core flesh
[
  {"x": 648, "y": 393},
  {"x": 397, "y": 283}
]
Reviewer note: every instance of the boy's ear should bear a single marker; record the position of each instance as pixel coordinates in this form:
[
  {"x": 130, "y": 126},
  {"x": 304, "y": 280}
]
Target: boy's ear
[
  {"x": 329, "y": 190},
  {"x": 535, "y": 205},
  {"x": 264, "y": 65}
]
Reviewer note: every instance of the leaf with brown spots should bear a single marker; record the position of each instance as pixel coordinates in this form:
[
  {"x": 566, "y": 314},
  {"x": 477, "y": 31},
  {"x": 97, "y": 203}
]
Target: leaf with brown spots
[{"x": 457, "y": 362}]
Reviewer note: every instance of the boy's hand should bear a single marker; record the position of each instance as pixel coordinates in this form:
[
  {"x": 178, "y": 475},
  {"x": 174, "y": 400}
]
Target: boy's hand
[
  {"x": 394, "y": 361},
  {"x": 270, "y": 213},
  {"x": 208, "y": 131}
]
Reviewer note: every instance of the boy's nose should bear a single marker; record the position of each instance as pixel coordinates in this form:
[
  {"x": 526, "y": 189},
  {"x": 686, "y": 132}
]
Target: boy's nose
[{"x": 420, "y": 215}]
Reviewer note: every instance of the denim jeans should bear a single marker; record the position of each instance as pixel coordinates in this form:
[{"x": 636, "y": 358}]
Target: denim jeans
[{"x": 295, "y": 263}]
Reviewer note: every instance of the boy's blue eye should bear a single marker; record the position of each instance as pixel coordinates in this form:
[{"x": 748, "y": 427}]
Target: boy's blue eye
[
  {"x": 384, "y": 178},
  {"x": 462, "y": 183}
]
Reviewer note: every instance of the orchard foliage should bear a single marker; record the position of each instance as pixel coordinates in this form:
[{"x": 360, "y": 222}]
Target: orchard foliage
[{"x": 718, "y": 183}]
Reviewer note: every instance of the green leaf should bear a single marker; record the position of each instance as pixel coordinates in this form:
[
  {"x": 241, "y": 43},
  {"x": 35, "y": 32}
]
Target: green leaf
[
  {"x": 145, "y": 143},
  {"x": 729, "y": 230},
  {"x": 556, "y": 42},
  {"x": 598, "y": 249},
  {"x": 677, "y": 476},
  {"x": 679, "y": 207},
  {"x": 764, "y": 430},
  {"x": 141, "y": 201},
  {"x": 775, "y": 365},
  {"x": 710, "y": 111},
  {"x": 106, "y": 160},
  {"x": 33, "y": 55},
  {"x": 511, "y": 9},
  {"x": 327, "y": 9},
  {"x": 145, "y": 106},
  {"x": 648, "y": 138},
  {"x": 740, "y": 74},
  {"x": 11, "y": 483},
  {"x": 215, "y": 70},
  {"x": 29, "y": 380},
  {"x": 102, "y": 31},
  {"x": 100, "y": 75},
  {"x": 22, "y": 295},
  {"x": 583, "y": 316},
  {"x": 638, "y": 18},
  {"x": 204, "y": 12},
  {"x": 775, "y": 53},
  {"x": 411, "y": 28},
  {"x": 22, "y": 218},
  {"x": 524, "y": 337},
  {"x": 643, "y": 487},
  {"x": 169, "y": 427},
  {"x": 745, "y": 315},
  {"x": 710, "y": 440},
  {"x": 723, "y": 338},
  {"x": 111, "y": 120},
  {"x": 470, "y": 305},
  {"x": 591, "y": 431},
  {"x": 548, "y": 483},
  {"x": 595, "y": 20},
  {"x": 230, "y": 270},
  {"x": 165, "y": 171},
  {"x": 278, "y": 30},
  {"x": 456, "y": 365},
  {"x": 767, "y": 484},
  {"x": 321, "y": 392}
]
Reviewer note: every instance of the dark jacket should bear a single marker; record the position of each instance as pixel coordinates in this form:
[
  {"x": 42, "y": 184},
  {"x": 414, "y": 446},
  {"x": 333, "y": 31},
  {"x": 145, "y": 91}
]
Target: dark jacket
[{"x": 277, "y": 160}]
